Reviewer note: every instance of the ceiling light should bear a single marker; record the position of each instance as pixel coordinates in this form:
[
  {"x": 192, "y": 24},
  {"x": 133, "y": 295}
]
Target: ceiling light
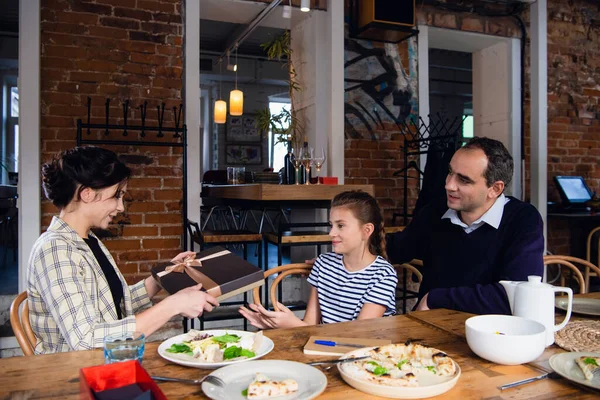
[
  {"x": 287, "y": 12},
  {"x": 236, "y": 97},
  {"x": 305, "y": 5},
  {"x": 220, "y": 110},
  {"x": 230, "y": 66}
]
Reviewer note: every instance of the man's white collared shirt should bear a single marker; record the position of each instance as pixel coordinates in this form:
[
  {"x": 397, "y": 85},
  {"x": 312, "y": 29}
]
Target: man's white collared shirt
[{"x": 492, "y": 217}]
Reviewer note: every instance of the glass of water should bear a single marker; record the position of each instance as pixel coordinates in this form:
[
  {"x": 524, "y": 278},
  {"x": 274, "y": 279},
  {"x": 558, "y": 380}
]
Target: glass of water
[{"x": 124, "y": 347}]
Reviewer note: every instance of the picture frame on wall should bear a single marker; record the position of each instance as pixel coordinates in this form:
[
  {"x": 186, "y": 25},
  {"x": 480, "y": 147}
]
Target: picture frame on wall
[
  {"x": 242, "y": 129},
  {"x": 243, "y": 154}
]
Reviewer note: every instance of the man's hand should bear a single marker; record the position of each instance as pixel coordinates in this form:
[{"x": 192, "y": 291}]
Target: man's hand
[
  {"x": 423, "y": 304},
  {"x": 262, "y": 318}
]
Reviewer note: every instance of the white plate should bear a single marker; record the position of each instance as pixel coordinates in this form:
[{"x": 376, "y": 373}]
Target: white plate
[
  {"x": 566, "y": 366},
  {"x": 580, "y": 305},
  {"x": 429, "y": 385},
  {"x": 188, "y": 361},
  {"x": 311, "y": 381}
]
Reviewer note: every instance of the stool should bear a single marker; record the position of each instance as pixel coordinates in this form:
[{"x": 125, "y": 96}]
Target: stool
[
  {"x": 286, "y": 236},
  {"x": 223, "y": 238}
]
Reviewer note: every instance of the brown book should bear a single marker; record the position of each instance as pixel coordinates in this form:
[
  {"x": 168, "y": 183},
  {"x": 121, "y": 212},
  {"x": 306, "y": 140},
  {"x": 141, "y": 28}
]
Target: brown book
[
  {"x": 318, "y": 349},
  {"x": 222, "y": 274}
]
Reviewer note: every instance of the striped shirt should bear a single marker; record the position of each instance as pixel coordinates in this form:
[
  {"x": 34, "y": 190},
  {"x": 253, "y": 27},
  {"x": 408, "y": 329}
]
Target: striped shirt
[{"x": 342, "y": 293}]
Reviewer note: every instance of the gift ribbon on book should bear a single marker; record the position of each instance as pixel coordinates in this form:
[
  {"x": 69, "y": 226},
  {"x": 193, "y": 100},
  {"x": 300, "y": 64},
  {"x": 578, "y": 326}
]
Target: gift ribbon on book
[{"x": 188, "y": 266}]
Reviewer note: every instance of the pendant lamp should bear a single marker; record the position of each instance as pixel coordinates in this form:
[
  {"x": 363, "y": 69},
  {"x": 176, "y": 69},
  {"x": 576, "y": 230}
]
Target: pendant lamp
[
  {"x": 220, "y": 111},
  {"x": 236, "y": 97}
]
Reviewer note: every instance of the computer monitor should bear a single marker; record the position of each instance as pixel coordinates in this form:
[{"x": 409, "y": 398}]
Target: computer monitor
[{"x": 573, "y": 190}]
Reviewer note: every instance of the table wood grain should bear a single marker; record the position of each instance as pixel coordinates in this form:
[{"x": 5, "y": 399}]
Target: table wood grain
[
  {"x": 56, "y": 376},
  {"x": 271, "y": 192}
]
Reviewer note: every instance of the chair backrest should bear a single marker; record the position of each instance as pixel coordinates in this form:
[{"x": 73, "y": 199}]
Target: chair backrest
[
  {"x": 20, "y": 324},
  {"x": 194, "y": 231},
  {"x": 411, "y": 267},
  {"x": 282, "y": 271},
  {"x": 572, "y": 263},
  {"x": 588, "y": 255}
]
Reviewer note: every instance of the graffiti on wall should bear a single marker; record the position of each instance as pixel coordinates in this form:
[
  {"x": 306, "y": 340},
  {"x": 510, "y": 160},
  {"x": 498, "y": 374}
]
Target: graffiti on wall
[{"x": 378, "y": 88}]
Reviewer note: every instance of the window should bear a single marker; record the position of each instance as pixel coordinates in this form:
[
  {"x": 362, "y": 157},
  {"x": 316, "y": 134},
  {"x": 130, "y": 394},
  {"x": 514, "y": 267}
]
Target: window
[
  {"x": 277, "y": 149},
  {"x": 467, "y": 130}
]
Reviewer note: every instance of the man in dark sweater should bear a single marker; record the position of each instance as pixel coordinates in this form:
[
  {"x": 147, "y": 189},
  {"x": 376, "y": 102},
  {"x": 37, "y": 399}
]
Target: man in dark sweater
[{"x": 474, "y": 239}]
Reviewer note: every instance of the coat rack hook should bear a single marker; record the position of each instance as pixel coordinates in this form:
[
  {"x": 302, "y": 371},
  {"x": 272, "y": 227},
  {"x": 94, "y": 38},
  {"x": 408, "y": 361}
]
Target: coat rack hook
[
  {"x": 89, "y": 107},
  {"x": 161, "y": 116},
  {"x": 107, "y": 104},
  {"x": 125, "y": 110},
  {"x": 177, "y": 118},
  {"x": 143, "y": 111}
]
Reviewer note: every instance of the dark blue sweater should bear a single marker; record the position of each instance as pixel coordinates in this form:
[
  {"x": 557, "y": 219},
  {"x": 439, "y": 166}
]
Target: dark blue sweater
[{"x": 461, "y": 271}]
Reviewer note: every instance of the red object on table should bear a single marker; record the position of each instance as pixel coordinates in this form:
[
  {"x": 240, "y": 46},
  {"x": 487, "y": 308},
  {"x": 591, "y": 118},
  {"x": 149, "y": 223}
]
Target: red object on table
[
  {"x": 111, "y": 376},
  {"x": 329, "y": 180}
]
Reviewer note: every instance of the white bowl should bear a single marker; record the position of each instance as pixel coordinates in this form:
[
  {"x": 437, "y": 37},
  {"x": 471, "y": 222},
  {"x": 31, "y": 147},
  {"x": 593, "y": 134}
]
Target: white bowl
[{"x": 505, "y": 339}]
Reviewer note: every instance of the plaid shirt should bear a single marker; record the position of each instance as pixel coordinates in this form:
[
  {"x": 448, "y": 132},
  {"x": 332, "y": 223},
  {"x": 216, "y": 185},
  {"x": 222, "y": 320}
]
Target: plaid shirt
[{"x": 70, "y": 303}]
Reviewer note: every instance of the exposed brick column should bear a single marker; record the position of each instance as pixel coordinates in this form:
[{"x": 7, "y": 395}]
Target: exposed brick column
[{"x": 119, "y": 49}]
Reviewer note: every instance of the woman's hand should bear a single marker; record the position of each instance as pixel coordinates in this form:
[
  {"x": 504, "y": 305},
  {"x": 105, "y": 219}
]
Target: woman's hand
[
  {"x": 261, "y": 318},
  {"x": 182, "y": 256},
  {"x": 191, "y": 302}
]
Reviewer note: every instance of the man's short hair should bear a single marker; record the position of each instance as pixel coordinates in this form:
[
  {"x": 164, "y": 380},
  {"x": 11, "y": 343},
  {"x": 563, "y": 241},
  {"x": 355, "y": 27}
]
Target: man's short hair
[{"x": 500, "y": 163}]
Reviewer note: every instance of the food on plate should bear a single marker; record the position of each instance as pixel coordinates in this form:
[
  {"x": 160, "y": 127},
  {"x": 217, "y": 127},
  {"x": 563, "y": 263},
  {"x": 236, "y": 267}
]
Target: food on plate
[
  {"x": 210, "y": 348},
  {"x": 264, "y": 388},
  {"x": 400, "y": 364},
  {"x": 589, "y": 366}
]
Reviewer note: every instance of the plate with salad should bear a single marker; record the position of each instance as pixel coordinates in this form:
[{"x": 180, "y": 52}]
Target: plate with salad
[{"x": 215, "y": 348}]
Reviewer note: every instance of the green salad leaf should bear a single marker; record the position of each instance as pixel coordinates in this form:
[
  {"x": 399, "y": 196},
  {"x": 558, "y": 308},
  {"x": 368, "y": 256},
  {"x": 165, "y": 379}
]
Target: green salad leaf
[
  {"x": 380, "y": 371},
  {"x": 245, "y": 392},
  {"x": 180, "y": 348},
  {"x": 235, "y": 351},
  {"x": 401, "y": 363},
  {"x": 373, "y": 363},
  {"x": 226, "y": 338},
  {"x": 590, "y": 361},
  {"x": 431, "y": 368}
]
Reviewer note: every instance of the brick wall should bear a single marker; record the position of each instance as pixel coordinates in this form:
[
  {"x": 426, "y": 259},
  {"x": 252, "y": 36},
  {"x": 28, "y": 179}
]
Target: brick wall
[{"x": 118, "y": 49}]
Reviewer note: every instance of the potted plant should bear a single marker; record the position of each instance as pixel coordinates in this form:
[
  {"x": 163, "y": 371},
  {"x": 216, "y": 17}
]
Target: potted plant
[{"x": 286, "y": 127}]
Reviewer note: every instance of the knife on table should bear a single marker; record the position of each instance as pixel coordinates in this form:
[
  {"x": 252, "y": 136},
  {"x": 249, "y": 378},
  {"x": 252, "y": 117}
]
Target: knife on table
[
  {"x": 332, "y": 344},
  {"x": 339, "y": 360}
]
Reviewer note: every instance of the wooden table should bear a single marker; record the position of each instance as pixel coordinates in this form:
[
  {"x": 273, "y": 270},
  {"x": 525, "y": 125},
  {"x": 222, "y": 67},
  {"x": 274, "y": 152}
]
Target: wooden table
[{"x": 57, "y": 375}]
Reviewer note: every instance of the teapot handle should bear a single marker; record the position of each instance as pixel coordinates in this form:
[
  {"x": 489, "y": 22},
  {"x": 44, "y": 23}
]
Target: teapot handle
[{"x": 569, "y": 292}]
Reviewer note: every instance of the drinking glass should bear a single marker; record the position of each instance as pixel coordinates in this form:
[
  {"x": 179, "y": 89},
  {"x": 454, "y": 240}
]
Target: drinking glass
[
  {"x": 318, "y": 161},
  {"x": 124, "y": 347},
  {"x": 295, "y": 157},
  {"x": 306, "y": 157}
]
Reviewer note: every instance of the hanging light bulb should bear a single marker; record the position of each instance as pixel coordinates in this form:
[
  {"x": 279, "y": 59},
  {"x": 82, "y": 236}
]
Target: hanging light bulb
[
  {"x": 236, "y": 97},
  {"x": 220, "y": 111},
  {"x": 305, "y": 5}
]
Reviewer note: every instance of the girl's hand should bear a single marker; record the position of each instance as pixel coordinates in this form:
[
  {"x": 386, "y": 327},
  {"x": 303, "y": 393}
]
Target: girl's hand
[
  {"x": 261, "y": 318},
  {"x": 191, "y": 302},
  {"x": 182, "y": 256}
]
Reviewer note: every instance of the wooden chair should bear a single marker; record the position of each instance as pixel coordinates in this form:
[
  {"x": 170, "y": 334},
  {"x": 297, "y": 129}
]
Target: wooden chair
[
  {"x": 588, "y": 255},
  {"x": 223, "y": 238},
  {"x": 282, "y": 271},
  {"x": 393, "y": 229},
  {"x": 20, "y": 324},
  {"x": 406, "y": 293},
  {"x": 571, "y": 263}
]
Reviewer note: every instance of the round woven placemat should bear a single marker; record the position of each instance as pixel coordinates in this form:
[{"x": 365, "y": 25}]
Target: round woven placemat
[{"x": 579, "y": 336}]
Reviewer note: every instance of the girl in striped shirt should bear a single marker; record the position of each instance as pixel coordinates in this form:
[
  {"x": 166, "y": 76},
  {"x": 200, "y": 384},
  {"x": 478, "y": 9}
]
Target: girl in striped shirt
[{"x": 355, "y": 281}]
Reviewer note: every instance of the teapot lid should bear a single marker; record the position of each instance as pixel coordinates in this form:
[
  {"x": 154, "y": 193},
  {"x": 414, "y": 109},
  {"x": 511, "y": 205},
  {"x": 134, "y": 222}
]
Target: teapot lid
[{"x": 534, "y": 279}]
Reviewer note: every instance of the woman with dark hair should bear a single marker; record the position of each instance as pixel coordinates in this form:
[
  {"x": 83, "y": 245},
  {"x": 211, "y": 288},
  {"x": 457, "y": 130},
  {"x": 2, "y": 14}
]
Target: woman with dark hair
[
  {"x": 76, "y": 293},
  {"x": 355, "y": 281}
]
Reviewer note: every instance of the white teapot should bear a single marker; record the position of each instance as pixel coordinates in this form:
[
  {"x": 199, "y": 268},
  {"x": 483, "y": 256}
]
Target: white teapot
[{"x": 535, "y": 300}]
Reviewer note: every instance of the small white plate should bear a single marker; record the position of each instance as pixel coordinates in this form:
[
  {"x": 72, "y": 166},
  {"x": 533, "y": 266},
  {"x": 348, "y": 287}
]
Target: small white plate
[
  {"x": 580, "y": 305},
  {"x": 188, "y": 361},
  {"x": 311, "y": 381},
  {"x": 565, "y": 364}
]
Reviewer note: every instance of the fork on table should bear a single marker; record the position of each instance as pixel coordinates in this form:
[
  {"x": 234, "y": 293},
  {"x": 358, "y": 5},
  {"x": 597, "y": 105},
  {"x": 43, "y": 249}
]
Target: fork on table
[{"x": 214, "y": 380}]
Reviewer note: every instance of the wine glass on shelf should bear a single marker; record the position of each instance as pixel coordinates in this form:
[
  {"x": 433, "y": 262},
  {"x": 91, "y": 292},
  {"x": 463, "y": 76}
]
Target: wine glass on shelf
[
  {"x": 295, "y": 158},
  {"x": 306, "y": 157},
  {"x": 318, "y": 161}
]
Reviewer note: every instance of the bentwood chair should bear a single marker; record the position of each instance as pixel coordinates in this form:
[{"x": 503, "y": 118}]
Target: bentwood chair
[
  {"x": 588, "y": 254},
  {"x": 282, "y": 271},
  {"x": 20, "y": 324},
  {"x": 574, "y": 264},
  {"x": 404, "y": 292}
]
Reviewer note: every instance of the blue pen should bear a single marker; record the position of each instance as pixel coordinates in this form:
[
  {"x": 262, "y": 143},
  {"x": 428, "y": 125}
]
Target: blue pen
[{"x": 332, "y": 343}]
